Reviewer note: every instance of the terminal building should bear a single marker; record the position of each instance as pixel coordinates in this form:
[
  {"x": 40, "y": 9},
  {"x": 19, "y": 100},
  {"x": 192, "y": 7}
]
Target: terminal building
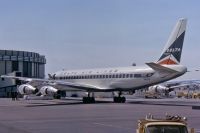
[{"x": 19, "y": 63}]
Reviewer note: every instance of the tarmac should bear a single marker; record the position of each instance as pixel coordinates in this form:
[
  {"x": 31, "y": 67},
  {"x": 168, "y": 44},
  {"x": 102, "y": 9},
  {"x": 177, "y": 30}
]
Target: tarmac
[{"x": 71, "y": 116}]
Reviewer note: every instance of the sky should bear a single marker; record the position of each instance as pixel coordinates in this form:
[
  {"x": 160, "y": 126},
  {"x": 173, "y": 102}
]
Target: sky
[{"x": 82, "y": 34}]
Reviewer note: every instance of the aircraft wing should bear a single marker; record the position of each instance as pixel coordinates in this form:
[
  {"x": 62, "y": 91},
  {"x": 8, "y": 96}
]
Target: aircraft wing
[{"x": 60, "y": 85}]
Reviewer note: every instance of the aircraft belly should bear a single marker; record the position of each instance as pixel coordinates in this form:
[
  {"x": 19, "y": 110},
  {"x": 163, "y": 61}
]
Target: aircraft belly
[
  {"x": 98, "y": 83},
  {"x": 128, "y": 83},
  {"x": 68, "y": 88}
]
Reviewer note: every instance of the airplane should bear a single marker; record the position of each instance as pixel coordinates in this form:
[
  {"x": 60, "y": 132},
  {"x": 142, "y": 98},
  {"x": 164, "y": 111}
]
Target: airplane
[{"x": 118, "y": 79}]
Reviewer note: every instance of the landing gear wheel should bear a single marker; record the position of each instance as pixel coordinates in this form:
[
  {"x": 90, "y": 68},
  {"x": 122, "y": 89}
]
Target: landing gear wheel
[
  {"x": 88, "y": 100},
  {"x": 123, "y": 99},
  {"x": 119, "y": 99},
  {"x": 57, "y": 96}
]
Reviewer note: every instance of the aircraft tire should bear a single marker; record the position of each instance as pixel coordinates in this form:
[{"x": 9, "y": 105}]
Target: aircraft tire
[
  {"x": 84, "y": 99},
  {"x": 123, "y": 99},
  {"x": 88, "y": 100},
  {"x": 115, "y": 99},
  {"x": 119, "y": 99},
  {"x": 57, "y": 97}
]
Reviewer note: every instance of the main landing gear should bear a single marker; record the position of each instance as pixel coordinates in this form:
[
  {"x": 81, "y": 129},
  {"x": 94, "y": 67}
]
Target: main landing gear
[
  {"x": 119, "y": 99},
  {"x": 89, "y": 99}
]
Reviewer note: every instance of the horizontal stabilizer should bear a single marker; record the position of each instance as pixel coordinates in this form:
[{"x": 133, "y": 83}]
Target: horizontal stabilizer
[{"x": 160, "y": 68}]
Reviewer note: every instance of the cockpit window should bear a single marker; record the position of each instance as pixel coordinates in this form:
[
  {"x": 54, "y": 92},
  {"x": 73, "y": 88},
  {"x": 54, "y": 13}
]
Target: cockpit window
[{"x": 149, "y": 74}]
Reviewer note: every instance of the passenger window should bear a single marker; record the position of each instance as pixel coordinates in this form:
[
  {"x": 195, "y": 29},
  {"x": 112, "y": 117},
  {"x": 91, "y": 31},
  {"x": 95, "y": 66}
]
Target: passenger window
[
  {"x": 127, "y": 75},
  {"x": 116, "y": 76}
]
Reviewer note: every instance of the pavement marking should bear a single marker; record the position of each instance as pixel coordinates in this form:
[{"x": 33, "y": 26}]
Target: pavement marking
[{"x": 108, "y": 125}]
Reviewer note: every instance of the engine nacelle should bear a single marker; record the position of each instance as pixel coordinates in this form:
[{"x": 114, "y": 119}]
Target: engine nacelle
[
  {"x": 158, "y": 88},
  {"x": 48, "y": 90},
  {"x": 27, "y": 89}
]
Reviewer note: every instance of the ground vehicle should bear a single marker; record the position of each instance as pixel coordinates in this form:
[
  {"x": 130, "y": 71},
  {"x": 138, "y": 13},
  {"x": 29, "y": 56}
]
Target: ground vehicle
[
  {"x": 154, "y": 95},
  {"x": 170, "y": 124},
  {"x": 183, "y": 94},
  {"x": 196, "y": 95}
]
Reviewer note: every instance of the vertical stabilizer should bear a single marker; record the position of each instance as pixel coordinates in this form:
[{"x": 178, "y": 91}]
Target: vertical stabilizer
[{"x": 171, "y": 54}]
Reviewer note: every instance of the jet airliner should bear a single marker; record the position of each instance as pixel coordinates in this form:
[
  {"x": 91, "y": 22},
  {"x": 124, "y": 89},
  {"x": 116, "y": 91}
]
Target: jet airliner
[{"x": 117, "y": 79}]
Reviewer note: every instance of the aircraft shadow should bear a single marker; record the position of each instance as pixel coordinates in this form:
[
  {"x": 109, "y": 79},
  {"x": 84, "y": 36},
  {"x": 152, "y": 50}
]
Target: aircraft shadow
[
  {"x": 163, "y": 104},
  {"x": 64, "y": 103}
]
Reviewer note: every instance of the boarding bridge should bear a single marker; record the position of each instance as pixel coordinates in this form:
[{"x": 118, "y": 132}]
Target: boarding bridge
[{"x": 9, "y": 85}]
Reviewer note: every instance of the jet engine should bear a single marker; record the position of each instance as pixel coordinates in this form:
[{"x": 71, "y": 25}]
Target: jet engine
[
  {"x": 27, "y": 89},
  {"x": 48, "y": 90},
  {"x": 158, "y": 88}
]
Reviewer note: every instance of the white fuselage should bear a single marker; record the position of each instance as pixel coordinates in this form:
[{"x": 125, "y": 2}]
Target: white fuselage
[{"x": 119, "y": 79}]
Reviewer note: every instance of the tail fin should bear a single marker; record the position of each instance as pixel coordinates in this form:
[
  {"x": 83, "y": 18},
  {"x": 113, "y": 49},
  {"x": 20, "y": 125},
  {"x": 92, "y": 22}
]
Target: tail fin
[{"x": 173, "y": 49}]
